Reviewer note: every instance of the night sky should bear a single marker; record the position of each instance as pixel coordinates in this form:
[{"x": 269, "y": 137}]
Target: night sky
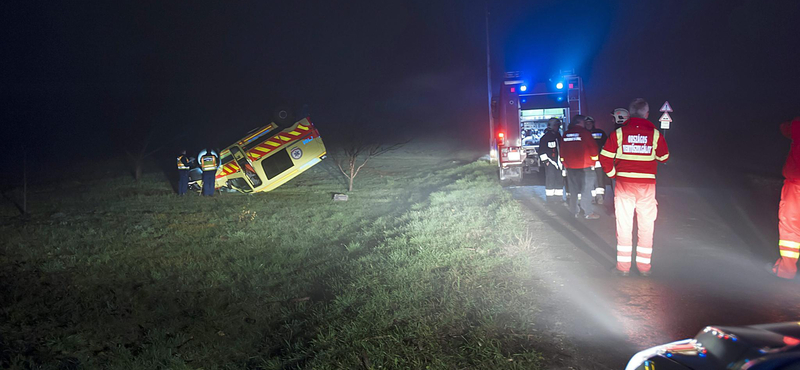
[{"x": 88, "y": 78}]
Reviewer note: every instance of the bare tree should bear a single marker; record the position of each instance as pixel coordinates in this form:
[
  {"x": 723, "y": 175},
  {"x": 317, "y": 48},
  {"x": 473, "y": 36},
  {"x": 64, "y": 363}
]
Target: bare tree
[
  {"x": 355, "y": 152},
  {"x": 139, "y": 150},
  {"x": 139, "y": 154}
]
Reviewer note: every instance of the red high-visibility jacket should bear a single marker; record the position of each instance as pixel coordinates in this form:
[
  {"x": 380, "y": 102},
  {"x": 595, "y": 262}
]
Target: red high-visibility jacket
[
  {"x": 578, "y": 149},
  {"x": 791, "y": 169},
  {"x": 631, "y": 152}
]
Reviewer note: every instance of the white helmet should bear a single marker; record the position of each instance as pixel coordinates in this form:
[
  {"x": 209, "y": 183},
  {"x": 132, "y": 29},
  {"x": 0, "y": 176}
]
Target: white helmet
[{"x": 620, "y": 115}]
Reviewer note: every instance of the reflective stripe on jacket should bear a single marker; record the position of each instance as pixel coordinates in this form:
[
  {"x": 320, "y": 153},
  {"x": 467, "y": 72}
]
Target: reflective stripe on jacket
[
  {"x": 578, "y": 149},
  {"x": 633, "y": 151},
  {"x": 791, "y": 169},
  {"x": 208, "y": 163},
  {"x": 183, "y": 162},
  {"x": 548, "y": 146}
]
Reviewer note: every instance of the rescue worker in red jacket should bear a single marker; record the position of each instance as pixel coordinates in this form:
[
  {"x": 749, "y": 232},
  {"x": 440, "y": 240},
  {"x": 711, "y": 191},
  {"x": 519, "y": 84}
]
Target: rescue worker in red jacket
[
  {"x": 600, "y": 138},
  {"x": 549, "y": 156},
  {"x": 789, "y": 211},
  {"x": 631, "y": 156},
  {"x": 579, "y": 155}
]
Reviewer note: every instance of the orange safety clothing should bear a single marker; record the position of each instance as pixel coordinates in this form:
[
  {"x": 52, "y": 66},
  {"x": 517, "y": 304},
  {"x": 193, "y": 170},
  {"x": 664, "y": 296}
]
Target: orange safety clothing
[
  {"x": 578, "y": 148},
  {"x": 789, "y": 210},
  {"x": 632, "y": 151},
  {"x": 791, "y": 169},
  {"x": 638, "y": 198}
]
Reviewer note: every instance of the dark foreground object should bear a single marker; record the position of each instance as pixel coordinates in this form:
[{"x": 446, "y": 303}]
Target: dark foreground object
[{"x": 762, "y": 347}]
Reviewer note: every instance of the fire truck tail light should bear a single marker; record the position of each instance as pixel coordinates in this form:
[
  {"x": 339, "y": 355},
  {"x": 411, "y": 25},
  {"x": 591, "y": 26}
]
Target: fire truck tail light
[{"x": 501, "y": 138}]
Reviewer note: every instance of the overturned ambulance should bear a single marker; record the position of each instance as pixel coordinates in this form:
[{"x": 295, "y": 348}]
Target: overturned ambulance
[{"x": 267, "y": 158}]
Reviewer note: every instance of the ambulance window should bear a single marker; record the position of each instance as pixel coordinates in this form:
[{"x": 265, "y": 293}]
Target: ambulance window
[
  {"x": 241, "y": 184},
  {"x": 277, "y": 163}
]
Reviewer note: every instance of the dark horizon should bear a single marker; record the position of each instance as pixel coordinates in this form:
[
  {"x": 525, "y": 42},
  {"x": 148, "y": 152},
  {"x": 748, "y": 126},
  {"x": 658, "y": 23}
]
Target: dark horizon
[{"x": 80, "y": 80}]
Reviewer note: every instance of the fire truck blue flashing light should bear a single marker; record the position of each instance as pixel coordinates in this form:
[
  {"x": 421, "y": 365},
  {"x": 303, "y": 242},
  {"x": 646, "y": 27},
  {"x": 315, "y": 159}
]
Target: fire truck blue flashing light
[
  {"x": 523, "y": 88},
  {"x": 560, "y": 85},
  {"x": 560, "y": 98}
]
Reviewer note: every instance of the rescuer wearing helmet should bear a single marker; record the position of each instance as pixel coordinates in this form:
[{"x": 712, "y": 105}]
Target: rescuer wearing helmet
[
  {"x": 599, "y": 137},
  {"x": 549, "y": 156},
  {"x": 789, "y": 209},
  {"x": 209, "y": 161},
  {"x": 579, "y": 155},
  {"x": 183, "y": 172},
  {"x": 631, "y": 156},
  {"x": 621, "y": 115}
]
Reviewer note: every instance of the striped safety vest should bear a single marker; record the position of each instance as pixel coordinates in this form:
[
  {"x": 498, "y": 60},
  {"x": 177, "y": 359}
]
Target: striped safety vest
[
  {"x": 182, "y": 163},
  {"x": 208, "y": 163}
]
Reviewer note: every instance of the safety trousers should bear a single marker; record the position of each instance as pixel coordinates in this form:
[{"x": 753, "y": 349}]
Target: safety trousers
[
  {"x": 183, "y": 181},
  {"x": 600, "y": 185},
  {"x": 553, "y": 181},
  {"x": 789, "y": 229},
  {"x": 635, "y": 198},
  {"x": 208, "y": 183}
]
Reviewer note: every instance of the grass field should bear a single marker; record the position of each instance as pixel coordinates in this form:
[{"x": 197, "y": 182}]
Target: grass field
[{"x": 423, "y": 268}]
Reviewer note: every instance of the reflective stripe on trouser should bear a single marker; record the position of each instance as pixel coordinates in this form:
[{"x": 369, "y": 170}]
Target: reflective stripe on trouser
[
  {"x": 624, "y": 253},
  {"x": 553, "y": 180},
  {"x": 602, "y": 180},
  {"x": 789, "y": 229},
  {"x": 635, "y": 198}
]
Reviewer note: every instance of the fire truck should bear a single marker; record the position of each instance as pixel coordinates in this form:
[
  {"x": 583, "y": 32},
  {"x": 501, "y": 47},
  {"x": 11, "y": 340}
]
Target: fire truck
[{"x": 520, "y": 113}]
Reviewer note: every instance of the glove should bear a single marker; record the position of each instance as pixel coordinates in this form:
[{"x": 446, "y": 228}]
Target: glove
[
  {"x": 564, "y": 173},
  {"x": 597, "y": 164}
]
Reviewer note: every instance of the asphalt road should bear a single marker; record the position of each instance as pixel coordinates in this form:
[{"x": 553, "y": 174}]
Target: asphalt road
[{"x": 714, "y": 235}]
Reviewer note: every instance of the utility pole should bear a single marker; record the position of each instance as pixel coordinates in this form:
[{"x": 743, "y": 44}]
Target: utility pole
[
  {"x": 492, "y": 154},
  {"x": 24, "y": 181}
]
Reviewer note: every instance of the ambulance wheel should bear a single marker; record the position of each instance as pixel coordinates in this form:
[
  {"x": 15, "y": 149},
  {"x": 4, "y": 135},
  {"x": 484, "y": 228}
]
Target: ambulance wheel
[{"x": 283, "y": 117}]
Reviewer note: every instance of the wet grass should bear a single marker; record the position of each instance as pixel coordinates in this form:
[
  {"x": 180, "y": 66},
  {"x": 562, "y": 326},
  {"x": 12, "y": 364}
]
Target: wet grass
[{"x": 423, "y": 267}]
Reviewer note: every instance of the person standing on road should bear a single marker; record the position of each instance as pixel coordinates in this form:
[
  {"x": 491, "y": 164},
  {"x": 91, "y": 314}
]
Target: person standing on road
[
  {"x": 631, "y": 156},
  {"x": 599, "y": 136},
  {"x": 549, "y": 156},
  {"x": 183, "y": 173},
  {"x": 619, "y": 116},
  {"x": 579, "y": 155},
  {"x": 209, "y": 161},
  {"x": 789, "y": 209}
]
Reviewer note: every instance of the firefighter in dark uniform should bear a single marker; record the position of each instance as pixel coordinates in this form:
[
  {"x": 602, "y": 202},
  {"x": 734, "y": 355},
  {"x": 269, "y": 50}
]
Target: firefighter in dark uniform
[
  {"x": 183, "y": 173},
  {"x": 600, "y": 138},
  {"x": 209, "y": 161},
  {"x": 551, "y": 160}
]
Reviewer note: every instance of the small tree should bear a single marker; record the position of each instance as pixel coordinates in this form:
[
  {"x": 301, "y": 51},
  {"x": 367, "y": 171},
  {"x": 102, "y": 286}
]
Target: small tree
[
  {"x": 348, "y": 159},
  {"x": 138, "y": 155}
]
